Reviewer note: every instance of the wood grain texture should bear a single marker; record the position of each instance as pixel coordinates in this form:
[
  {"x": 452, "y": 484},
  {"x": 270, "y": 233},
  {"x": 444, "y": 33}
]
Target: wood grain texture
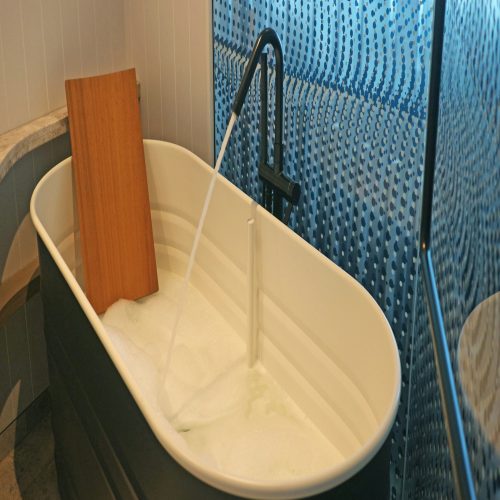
[{"x": 111, "y": 188}]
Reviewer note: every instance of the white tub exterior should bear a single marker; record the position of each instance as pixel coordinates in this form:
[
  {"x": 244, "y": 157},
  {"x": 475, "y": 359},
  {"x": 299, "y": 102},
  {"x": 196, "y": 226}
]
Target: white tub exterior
[{"x": 321, "y": 335}]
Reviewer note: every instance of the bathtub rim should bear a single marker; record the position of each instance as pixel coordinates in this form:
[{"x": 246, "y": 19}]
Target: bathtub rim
[{"x": 167, "y": 436}]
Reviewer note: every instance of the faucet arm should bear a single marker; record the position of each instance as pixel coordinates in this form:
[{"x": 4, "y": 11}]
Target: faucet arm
[{"x": 267, "y": 36}]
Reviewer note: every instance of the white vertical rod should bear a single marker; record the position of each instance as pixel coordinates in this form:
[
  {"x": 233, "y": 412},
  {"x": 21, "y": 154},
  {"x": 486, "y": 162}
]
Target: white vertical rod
[{"x": 251, "y": 297}]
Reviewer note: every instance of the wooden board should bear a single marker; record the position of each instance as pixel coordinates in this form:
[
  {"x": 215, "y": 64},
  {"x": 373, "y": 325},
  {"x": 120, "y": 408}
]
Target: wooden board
[{"x": 111, "y": 188}]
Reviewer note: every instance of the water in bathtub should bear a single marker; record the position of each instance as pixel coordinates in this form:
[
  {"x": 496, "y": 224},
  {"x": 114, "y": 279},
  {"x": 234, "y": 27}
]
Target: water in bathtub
[{"x": 234, "y": 418}]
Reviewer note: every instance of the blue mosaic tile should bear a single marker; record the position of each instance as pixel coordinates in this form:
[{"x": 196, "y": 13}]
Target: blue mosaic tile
[{"x": 354, "y": 106}]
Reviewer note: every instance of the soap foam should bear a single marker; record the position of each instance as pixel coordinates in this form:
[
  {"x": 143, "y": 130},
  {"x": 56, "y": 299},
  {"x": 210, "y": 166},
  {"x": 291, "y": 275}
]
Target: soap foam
[{"x": 234, "y": 418}]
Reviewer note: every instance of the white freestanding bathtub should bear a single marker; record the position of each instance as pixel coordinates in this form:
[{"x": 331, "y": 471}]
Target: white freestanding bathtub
[{"x": 320, "y": 335}]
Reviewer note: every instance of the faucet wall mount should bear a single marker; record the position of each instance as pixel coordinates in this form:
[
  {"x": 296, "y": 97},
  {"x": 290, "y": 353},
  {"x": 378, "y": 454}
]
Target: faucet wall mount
[{"x": 276, "y": 184}]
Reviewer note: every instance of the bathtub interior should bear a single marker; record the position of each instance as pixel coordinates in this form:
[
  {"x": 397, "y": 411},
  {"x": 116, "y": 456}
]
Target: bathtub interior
[{"x": 321, "y": 336}]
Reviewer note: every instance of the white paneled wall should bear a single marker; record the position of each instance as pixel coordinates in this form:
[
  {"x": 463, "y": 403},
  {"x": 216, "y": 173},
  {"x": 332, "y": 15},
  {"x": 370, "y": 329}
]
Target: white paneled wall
[
  {"x": 43, "y": 42},
  {"x": 170, "y": 44}
]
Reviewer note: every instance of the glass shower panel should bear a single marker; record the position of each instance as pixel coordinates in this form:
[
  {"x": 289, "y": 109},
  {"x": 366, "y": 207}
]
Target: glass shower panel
[{"x": 466, "y": 255}]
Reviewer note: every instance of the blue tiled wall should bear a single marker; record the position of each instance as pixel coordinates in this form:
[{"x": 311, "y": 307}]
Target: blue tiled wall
[{"x": 355, "y": 100}]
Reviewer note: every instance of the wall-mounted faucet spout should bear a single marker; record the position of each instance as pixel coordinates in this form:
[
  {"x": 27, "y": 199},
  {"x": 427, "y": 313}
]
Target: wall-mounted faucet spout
[{"x": 272, "y": 176}]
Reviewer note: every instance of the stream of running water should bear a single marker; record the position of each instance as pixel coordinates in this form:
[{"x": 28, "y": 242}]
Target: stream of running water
[{"x": 167, "y": 357}]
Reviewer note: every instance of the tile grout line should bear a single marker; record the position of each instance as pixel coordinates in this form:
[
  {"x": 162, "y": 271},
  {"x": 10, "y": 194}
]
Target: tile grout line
[
  {"x": 44, "y": 55},
  {"x": 162, "y": 124},
  {"x": 79, "y": 35},
  {"x": 2, "y": 62},
  {"x": 24, "y": 57},
  {"x": 111, "y": 47},
  {"x": 17, "y": 243},
  {"x": 25, "y": 309},
  {"x": 190, "y": 52},
  {"x": 4, "y": 330},
  {"x": 175, "y": 75},
  {"x": 146, "y": 65},
  {"x": 62, "y": 38},
  {"x": 95, "y": 38}
]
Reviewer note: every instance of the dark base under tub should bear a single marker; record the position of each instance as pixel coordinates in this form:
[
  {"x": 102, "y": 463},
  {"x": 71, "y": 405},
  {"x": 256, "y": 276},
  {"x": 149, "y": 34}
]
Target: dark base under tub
[{"x": 104, "y": 446}]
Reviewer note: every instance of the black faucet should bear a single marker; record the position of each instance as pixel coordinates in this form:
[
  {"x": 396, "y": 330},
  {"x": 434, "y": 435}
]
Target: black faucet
[{"x": 276, "y": 185}]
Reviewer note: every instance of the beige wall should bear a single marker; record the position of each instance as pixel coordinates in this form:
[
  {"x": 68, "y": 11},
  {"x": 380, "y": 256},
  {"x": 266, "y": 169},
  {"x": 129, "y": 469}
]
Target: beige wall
[
  {"x": 170, "y": 44},
  {"x": 43, "y": 42}
]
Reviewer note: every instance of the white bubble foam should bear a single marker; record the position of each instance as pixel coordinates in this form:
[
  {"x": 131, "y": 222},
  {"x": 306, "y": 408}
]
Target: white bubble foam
[{"x": 235, "y": 418}]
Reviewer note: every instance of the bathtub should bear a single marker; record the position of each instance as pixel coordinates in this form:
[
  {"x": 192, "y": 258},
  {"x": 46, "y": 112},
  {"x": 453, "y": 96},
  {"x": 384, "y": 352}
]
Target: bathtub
[{"x": 319, "y": 334}]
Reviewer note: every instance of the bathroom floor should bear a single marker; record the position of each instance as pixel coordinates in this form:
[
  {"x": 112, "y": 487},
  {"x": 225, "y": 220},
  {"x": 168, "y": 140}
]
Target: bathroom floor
[{"x": 28, "y": 472}]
